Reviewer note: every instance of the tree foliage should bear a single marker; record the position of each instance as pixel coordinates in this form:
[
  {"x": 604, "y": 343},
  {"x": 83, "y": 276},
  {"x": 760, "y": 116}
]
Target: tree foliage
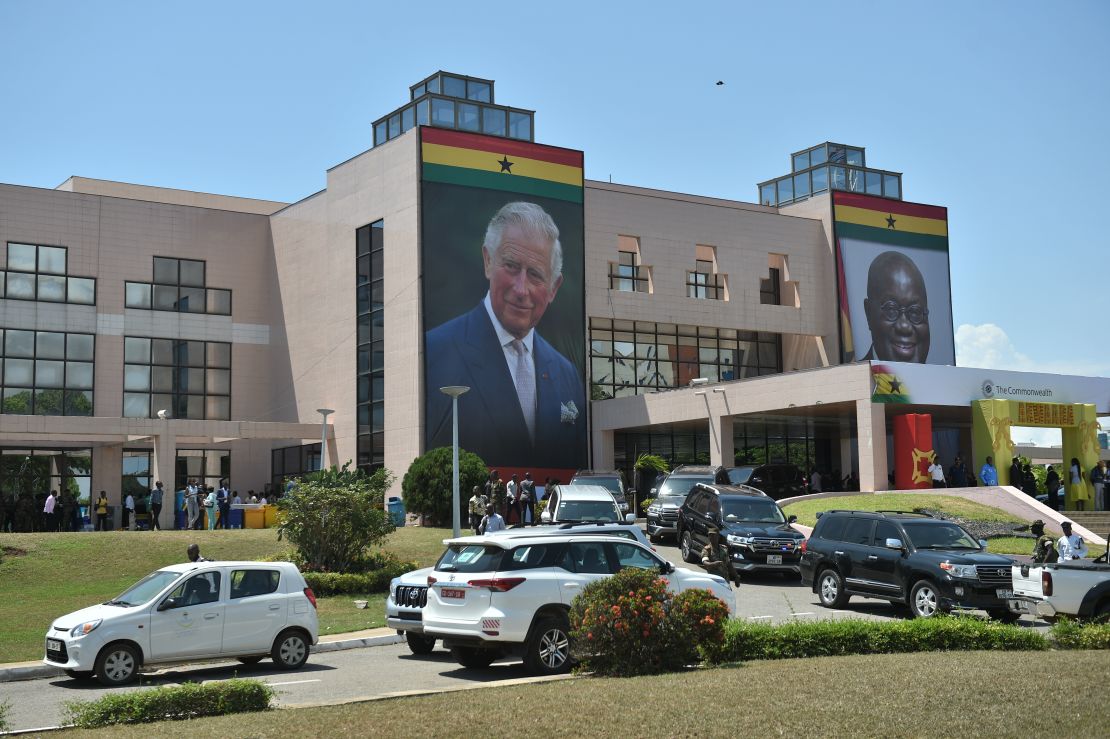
[
  {"x": 427, "y": 484},
  {"x": 334, "y": 515}
]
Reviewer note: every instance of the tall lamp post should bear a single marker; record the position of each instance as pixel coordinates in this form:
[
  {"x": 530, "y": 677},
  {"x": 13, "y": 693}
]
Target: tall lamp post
[
  {"x": 454, "y": 391},
  {"x": 325, "y": 412}
]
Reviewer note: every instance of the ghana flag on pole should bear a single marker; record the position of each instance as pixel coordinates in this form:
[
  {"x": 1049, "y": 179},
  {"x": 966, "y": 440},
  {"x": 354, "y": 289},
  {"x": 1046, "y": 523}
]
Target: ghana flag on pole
[
  {"x": 893, "y": 222},
  {"x": 491, "y": 162}
]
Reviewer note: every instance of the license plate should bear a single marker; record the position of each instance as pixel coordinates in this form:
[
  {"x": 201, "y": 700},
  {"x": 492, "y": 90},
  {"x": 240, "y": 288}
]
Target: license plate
[
  {"x": 774, "y": 559},
  {"x": 452, "y": 593},
  {"x": 53, "y": 644},
  {"x": 1004, "y": 594}
]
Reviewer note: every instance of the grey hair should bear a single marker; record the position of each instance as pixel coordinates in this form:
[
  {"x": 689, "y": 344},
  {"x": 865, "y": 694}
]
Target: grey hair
[{"x": 534, "y": 221}]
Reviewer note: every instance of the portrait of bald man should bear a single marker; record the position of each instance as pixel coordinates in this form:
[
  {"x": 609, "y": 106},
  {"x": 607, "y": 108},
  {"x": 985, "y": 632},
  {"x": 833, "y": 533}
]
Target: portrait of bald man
[
  {"x": 897, "y": 309},
  {"x": 526, "y": 403}
]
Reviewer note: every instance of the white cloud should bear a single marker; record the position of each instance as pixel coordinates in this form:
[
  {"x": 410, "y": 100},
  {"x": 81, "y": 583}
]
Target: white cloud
[{"x": 988, "y": 346}]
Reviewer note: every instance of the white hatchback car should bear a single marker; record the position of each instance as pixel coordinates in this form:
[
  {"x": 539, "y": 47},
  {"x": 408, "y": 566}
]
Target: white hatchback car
[
  {"x": 192, "y": 611},
  {"x": 491, "y": 596}
]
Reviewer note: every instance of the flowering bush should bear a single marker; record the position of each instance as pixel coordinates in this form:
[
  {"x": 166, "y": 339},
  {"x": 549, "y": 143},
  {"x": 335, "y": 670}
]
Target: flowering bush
[
  {"x": 699, "y": 618},
  {"x": 630, "y": 624}
]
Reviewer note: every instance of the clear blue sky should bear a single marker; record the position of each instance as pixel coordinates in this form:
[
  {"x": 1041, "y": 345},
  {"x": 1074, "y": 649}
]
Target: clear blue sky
[{"x": 998, "y": 110}]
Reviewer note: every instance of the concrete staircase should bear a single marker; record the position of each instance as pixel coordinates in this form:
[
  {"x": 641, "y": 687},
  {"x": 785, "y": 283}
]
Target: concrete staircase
[{"x": 1097, "y": 522}]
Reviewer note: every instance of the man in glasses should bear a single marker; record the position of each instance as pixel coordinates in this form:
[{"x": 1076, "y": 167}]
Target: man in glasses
[{"x": 897, "y": 309}]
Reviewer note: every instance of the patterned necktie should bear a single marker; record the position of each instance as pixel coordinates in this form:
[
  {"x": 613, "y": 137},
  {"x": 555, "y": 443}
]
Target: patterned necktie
[{"x": 525, "y": 385}]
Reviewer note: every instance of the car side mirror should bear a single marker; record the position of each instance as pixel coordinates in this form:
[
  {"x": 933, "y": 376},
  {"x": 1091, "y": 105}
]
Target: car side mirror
[
  {"x": 630, "y": 518},
  {"x": 667, "y": 568},
  {"x": 894, "y": 544},
  {"x": 545, "y": 517},
  {"x": 167, "y": 604},
  {"x": 982, "y": 543},
  {"x": 791, "y": 519}
]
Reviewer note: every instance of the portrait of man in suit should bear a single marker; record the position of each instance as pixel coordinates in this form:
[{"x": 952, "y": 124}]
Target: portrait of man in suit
[
  {"x": 897, "y": 309},
  {"x": 526, "y": 404}
]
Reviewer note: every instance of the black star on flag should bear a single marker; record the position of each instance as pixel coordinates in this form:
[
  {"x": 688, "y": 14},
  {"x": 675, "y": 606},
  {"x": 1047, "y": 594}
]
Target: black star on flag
[
  {"x": 895, "y": 386},
  {"x": 506, "y": 165},
  {"x": 890, "y": 220}
]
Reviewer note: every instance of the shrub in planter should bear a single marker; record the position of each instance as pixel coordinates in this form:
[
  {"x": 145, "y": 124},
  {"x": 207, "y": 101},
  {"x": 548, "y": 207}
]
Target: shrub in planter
[{"x": 191, "y": 700}]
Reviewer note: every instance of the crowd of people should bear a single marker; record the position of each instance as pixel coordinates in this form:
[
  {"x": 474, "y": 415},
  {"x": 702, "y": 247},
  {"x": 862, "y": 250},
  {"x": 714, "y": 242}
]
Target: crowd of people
[
  {"x": 498, "y": 504},
  {"x": 1068, "y": 547}
]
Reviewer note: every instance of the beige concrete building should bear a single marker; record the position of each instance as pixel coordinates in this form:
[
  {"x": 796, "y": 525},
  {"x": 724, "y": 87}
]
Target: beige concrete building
[{"x": 241, "y": 318}]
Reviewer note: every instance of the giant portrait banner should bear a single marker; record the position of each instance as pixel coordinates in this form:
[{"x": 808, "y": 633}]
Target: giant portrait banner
[
  {"x": 893, "y": 277},
  {"x": 503, "y": 298}
]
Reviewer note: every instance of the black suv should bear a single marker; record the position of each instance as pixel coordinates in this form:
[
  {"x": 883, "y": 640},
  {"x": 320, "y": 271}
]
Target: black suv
[
  {"x": 758, "y": 534},
  {"x": 662, "y": 514},
  {"x": 932, "y": 565},
  {"x": 777, "y": 480},
  {"x": 610, "y": 480}
]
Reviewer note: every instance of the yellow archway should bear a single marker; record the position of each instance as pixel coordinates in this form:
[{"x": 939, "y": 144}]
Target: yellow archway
[{"x": 991, "y": 421}]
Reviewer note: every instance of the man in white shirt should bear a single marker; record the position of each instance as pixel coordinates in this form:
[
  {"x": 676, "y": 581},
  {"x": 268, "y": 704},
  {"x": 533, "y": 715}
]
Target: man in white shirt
[
  {"x": 51, "y": 521},
  {"x": 1071, "y": 546},
  {"x": 512, "y": 498},
  {"x": 129, "y": 512},
  {"x": 492, "y": 522},
  {"x": 937, "y": 471},
  {"x": 815, "y": 482}
]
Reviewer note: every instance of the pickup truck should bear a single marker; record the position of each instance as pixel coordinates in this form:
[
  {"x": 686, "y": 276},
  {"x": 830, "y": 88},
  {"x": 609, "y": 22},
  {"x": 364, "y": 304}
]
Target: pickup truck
[{"x": 1077, "y": 588}]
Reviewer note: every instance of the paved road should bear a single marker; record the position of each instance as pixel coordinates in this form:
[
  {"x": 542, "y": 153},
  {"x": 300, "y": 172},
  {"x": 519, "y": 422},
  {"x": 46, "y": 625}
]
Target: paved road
[{"x": 379, "y": 671}]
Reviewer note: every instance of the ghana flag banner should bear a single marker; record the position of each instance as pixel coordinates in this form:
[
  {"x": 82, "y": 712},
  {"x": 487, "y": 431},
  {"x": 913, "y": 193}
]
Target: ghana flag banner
[
  {"x": 503, "y": 259},
  {"x": 893, "y": 280}
]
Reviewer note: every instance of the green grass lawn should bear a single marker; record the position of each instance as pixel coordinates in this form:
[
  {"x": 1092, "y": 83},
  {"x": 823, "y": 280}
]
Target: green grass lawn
[
  {"x": 807, "y": 510},
  {"x": 937, "y": 694},
  {"x": 50, "y": 575}
]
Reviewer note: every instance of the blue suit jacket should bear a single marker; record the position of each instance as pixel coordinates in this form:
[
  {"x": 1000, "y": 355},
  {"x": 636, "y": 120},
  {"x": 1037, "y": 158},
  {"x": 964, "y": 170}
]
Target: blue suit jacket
[{"x": 465, "y": 351}]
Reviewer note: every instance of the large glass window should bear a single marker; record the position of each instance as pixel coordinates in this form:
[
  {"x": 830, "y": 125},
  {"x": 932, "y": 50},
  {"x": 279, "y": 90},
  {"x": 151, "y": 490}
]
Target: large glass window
[
  {"x": 801, "y": 161},
  {"x": 704, "y": 283},
  {"x": 291, "y": 462},
  {"x": 767, "y": 194},
  {"x": 892, "y": 186},
  {"x": 520, "y": 125},
  {"x": 28, "y": 475},
  {"x": 820, "y": 179},
  {"x": 36, "y": 379},
  {"x": 39, "y": 273},
  {"x": 370, "y": 383},
  {"x": 493, "y": 121},
  {"x": 187, "y": 379},
  {"x": 769, "y": 292},
  {"x": 443, "y": 113},
  {"x": 209, "y": 467},
  {"x": 180, "y": 286}
]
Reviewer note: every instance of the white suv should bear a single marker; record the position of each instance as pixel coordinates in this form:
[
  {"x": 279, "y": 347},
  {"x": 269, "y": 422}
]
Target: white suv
[
  {"x": 584, "y": 503},
  {"x": 492, "y": 596},
  {"x": 409, "y": 593},
  {"x": 194, "y": 611}
]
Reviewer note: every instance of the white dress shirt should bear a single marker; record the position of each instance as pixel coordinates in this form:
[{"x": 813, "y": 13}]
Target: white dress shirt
[
  {"x": 1071, "y": 547},
  {"x": 937, "y": 472},
  {"x": 504, "y": 338}
]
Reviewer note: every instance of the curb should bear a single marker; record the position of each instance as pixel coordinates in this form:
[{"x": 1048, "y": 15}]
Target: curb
[{"x": 32, "y": 671}]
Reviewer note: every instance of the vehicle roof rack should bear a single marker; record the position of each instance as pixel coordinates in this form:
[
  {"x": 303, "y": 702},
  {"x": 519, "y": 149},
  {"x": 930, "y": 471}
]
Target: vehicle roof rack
[
  {"x": 908, "y": 513},
  {"x": 572, "y": 524}
]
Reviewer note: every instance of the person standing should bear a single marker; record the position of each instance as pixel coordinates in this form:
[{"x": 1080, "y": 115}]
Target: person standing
[
  {"x": 192, "y": 505},
  {"x": 988, "y": 475},
  {"x": 128, "y": 512},
  {"x": 102, "y": 512},
  {"x": 156, "y": 495},
  {"x": 211, "y": 509},
  {"x": 1078, "y": 488},
  {"x": 223, "y": 502},
  {"x": 476, "y": 507},
  {"x": 48, "y": 519},
  {"x": 492, "y": 521},
  {"x": 1044, "y": 551},
  {"x": 512, "y": 496},
  {"x": 1098, "y": 479},
  {"x": 957, "y": 474},
  {"x": 1052, "y": 485},
  {"x": 528, "y": 500},
  {"x": 1070, "y": 546},
  {"x": 1028, "y": 480},
  {"x": 1016, "y": 478},
  {"x": 936, "y": 469},
  {"x": 815, "y": 481}
]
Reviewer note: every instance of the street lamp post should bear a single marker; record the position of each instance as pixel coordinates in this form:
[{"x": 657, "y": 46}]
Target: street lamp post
[
  {"x": 325, "y": 412},
  {"x": 454, "y": 391}
]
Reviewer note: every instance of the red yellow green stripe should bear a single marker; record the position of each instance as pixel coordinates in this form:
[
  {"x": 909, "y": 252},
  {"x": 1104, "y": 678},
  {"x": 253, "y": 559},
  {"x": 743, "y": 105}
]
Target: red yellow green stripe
[{"x": 452, "y": 156}]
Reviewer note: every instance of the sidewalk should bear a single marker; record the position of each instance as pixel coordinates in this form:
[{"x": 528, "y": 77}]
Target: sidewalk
[{"x": 331, "y": 643}]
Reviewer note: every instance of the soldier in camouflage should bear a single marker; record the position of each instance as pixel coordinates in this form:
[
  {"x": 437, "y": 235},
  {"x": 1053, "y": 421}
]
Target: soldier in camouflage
[
  {"x": 715, "y": 559},
  {"x": 1044, "y": 551}
]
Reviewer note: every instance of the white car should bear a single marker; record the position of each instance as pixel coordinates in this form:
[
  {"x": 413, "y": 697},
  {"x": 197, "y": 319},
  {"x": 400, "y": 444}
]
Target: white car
[
  {"x": 587, "y": 503},
  {"x": 409, "y": 593},
  {"x": 185, "y": 612},
  {"x": 491, "y": 596}
]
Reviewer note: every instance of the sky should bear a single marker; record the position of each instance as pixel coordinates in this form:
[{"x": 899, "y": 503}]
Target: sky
[{"x": 997, "y": 110}]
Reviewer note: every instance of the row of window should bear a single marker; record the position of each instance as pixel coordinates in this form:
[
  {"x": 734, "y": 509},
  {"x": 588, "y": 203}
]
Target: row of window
[
  {"x": 209, "y": 467},
  {"x": 634, "y": 357},
  {"x": 187, "y": 379},
  {"x": 821, "y": 179},
  {"x": 369, "y": 278},
  {"x": 443, "y": 112},
  {"x": 47, "y": 373},
  {"x": 627, "y": 275}
]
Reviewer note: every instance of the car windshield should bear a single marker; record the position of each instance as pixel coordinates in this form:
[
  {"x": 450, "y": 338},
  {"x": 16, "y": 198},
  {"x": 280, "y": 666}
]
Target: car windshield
[
  {"x": 587, "y": 510},
  {"x": 674, "y": 500},
  {"x": 145, "y": 589},
  {"x": 756, "y": 510},
  {"x": 612, "y": 484},
  {"x": 681, "y": 486},
  {"x": 932, "y": 535},
  {"x": 470, "y": 558},
  {"x": 740, "y": 475}
]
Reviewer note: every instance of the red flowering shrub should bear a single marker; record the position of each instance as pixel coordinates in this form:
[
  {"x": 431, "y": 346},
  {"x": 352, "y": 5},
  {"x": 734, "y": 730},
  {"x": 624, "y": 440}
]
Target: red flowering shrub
[
  {"x": 627, "y": 625},
  {"x": 698, "y": 618}
]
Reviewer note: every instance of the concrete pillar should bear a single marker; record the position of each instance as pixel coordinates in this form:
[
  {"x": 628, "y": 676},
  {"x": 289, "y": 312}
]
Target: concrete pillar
[
  {"x": 107, "y": 473},
  {"x": 163, "y": 465},
  {"x": 722, "y": 451},
  {"x": 603, "y": 455},
  {"x": 871, "y": 425}
]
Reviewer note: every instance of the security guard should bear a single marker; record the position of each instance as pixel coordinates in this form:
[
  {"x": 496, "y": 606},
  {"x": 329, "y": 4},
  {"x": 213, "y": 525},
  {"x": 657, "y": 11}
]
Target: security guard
[
  {"x": 1045, "y": 548},
  {"x": 715, "y": 559}
]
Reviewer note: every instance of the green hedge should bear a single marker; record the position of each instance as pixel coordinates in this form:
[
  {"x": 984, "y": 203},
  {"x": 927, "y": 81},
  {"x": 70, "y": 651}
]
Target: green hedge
[
  {"x": 343, "y": 583},
  {"x": 747, "y": 641},
  {"x": 1069, "y": 634},
  {"x": 191, "y": 700}
]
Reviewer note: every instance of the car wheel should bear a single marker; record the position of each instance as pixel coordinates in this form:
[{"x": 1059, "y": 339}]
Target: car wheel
[
  {"x": 117, "y": 664},
  {"x": 420, "y": 644},
  {"x": 925, "y": 600},
  {"x": 548, "y": 649},
  {"x": 1004, "y": 615},
  {"x": 290, "y": 650},
  {"x": 687, "y": 548},
  {"x": 473, "y": 658},
  {"x": 249, "y": 660},
  {"x": 80, "y": 674},
  {"x": 830, "y": 589}
]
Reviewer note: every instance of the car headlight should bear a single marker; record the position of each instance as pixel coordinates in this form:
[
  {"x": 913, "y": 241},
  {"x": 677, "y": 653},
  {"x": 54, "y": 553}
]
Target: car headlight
[
  {"x": 393, "y": 588},
  {"x": 655, "y": 508},
  {"x": 85, "y": 628},
  {"x": 964, "y": 571},
  {"x": 736, "y": 539}
]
